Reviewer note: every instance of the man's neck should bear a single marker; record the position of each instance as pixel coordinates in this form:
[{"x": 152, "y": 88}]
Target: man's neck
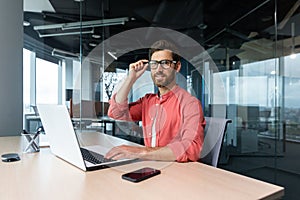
[{"x": 166, "y": 89}]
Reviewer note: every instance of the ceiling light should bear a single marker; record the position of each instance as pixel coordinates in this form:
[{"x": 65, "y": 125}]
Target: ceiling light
[
  {"x": 95, "y": 23},
  {"x": 64, "y": 54},
  {"x": 78, "y": 0},
  {"x": 65, "y": 33},
  {"x": 26, "y": 23},
  {"x": 293, "y": 56},
  {"x": 78, "y": 26},
  {"x": 112, "y": 54},
  {"x": 92, "y": 44},
  {"x": 96, "y": 36},
  {"x": 267, "y": 18},
  {"x": 202, "y": 26}
]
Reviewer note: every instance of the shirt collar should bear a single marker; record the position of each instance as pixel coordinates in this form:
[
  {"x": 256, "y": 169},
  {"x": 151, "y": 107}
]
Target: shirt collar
[{"x": 170, "y": 93}]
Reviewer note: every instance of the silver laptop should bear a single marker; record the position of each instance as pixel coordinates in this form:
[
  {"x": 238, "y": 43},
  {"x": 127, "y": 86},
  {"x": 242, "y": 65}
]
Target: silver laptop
[{"x": 64, "y": 142}]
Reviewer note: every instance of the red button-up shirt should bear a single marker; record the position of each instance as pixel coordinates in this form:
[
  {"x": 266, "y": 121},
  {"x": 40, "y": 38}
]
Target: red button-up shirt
[{"x": 178, "y": 117}]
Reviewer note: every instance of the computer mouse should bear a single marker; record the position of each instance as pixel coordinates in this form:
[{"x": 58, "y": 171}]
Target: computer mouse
[{"x": 10, "y": 157}]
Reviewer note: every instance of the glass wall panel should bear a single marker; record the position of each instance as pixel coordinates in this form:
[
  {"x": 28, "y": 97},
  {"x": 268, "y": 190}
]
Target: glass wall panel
[
  {"x": 259, "y": 75},
  {"x": 239, "y": 58}
]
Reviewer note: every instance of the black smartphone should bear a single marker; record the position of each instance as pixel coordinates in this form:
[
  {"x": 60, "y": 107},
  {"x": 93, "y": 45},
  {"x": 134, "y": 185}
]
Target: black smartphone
[{"x": 140, "y": 174}]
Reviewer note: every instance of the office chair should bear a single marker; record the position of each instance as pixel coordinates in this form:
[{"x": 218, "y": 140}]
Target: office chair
[{"x": 214, "y": 134}]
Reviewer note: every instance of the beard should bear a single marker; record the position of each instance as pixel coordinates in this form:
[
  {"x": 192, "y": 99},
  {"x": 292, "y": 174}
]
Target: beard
[{"x": 162, "y": 80}]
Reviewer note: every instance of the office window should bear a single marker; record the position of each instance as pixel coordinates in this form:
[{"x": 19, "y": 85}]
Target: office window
[
  {"x": 291, "y": 97},
  {"x": 27, "y": 78},
  {"x": 229, "y": 80},
  {"x": 46, "y": 82},
  {"x": 241, "y": 85},
  {"x": 142, "y": 86},
  {"x": 108, "y": 83},
  {"x": 41, "y": 85},
  {"x": 41, "y": 81}
]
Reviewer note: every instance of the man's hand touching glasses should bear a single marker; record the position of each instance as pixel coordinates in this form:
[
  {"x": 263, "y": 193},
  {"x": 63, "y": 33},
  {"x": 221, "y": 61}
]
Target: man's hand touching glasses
[{"x": 138, "y": 68}]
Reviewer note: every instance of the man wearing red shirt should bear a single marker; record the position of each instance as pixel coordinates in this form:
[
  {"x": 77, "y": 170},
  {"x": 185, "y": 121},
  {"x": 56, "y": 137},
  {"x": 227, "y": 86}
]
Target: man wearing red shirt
[{"x": 173, "y": 121}]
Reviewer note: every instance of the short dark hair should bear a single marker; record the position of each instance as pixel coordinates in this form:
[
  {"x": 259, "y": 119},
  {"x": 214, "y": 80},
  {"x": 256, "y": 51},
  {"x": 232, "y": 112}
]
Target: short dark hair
[{"x": 164, "y": 45}]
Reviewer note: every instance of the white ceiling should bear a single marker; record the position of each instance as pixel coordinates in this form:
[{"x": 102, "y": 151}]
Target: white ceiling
[{"x": 37, "y": 6}]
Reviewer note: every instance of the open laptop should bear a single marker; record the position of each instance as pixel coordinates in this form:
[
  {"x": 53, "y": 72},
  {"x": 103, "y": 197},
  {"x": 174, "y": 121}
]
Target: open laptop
[{"x": 64, "y": 141}]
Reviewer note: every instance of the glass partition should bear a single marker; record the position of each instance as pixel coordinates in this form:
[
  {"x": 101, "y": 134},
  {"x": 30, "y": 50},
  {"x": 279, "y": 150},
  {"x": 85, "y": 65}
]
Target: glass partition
[{"x": 238, "y": 58}]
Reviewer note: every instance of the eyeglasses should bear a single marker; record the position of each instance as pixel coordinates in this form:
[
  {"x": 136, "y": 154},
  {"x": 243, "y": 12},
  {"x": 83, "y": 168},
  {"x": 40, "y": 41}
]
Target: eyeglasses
[{"x": 166, "y": 64}]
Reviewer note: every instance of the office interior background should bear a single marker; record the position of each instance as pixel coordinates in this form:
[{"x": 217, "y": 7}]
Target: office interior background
[{"x": 254, "y": 46}]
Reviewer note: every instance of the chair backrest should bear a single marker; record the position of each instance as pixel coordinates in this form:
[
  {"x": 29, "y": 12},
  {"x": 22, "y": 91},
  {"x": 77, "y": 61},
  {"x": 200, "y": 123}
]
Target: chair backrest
[{"x": 214, "y": 134}]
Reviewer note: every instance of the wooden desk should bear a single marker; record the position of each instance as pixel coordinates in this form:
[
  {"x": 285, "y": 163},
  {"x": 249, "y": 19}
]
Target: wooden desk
[{"x": 44, "y": 176}]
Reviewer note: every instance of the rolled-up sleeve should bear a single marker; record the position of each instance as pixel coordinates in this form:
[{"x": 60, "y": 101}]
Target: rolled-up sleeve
[
  {"x": 118, "y": 110},
  {"x": 125, "y": 111}
]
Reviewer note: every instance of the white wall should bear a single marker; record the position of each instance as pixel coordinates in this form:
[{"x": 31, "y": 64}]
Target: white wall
[{"x": 11, "y": 65}]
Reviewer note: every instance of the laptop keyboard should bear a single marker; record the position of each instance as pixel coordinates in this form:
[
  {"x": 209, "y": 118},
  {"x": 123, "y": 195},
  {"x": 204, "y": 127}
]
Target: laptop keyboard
[{"x": 94, "y": 157}]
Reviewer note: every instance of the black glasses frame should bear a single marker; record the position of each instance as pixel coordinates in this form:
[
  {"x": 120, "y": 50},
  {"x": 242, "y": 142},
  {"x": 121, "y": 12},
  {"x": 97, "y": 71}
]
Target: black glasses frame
[{"x": 165, "y": 64}]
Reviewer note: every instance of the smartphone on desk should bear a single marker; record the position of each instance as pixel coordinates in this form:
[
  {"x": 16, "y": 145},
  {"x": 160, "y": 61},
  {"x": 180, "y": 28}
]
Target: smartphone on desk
[{"x": 140, "y": 174}]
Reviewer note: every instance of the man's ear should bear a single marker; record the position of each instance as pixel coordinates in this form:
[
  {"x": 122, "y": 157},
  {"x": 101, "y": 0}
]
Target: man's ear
[{"x": 178, "y": 66}]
